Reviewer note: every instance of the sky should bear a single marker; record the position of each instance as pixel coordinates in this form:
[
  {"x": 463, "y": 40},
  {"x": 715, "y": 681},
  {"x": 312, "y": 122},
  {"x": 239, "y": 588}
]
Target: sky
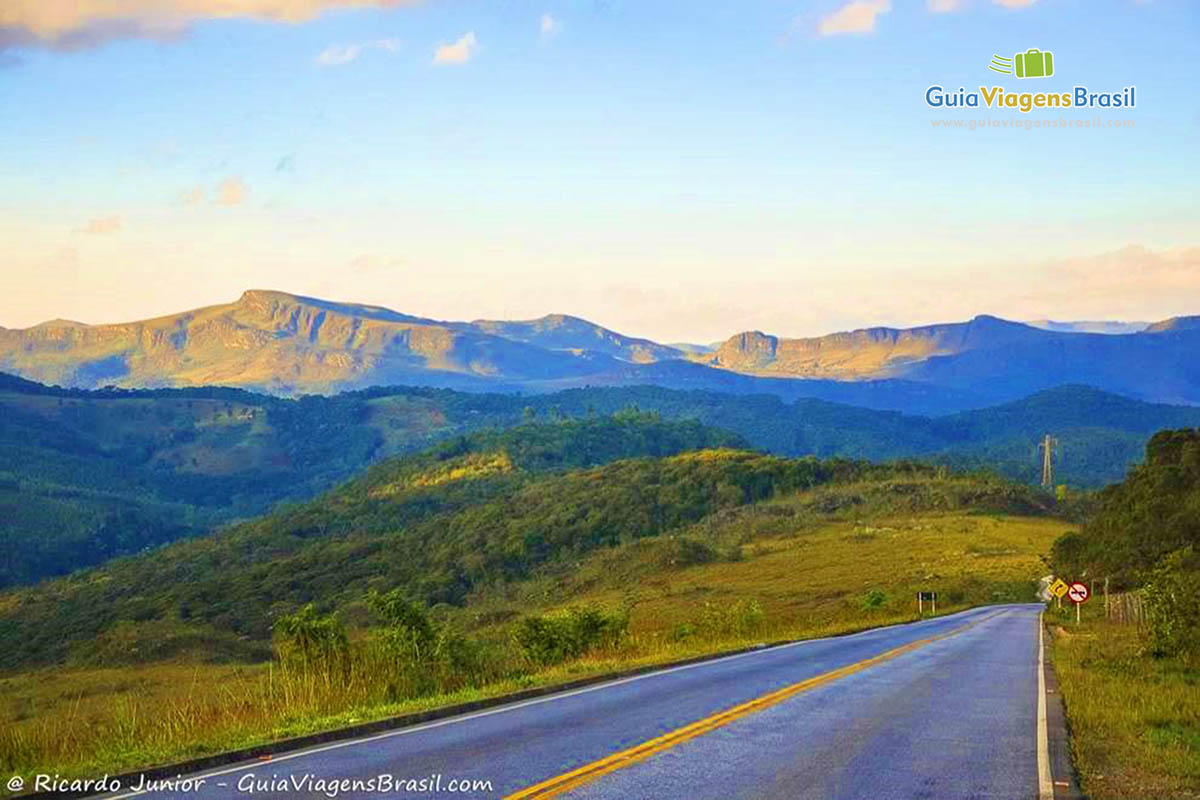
[{"x": 676, "y": 171}]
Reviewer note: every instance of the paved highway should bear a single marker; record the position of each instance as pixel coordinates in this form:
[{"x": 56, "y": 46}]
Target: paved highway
[{"x": 944, "y": 708}]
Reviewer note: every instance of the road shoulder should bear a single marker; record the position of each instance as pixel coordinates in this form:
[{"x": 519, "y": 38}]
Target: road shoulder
[{"x": 1058, "y": 737}]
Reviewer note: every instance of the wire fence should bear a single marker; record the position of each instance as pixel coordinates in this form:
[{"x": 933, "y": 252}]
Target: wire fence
[{"x": 1128, "y": 608}]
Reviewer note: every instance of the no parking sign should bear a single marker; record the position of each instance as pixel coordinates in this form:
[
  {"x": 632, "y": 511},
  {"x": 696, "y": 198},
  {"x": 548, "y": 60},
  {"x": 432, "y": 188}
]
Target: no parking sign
[{"x": 1078, "y": 593}]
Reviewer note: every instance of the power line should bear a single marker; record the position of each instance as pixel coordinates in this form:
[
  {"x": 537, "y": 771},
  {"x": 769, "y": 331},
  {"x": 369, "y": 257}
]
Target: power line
[{"x": 1048, "y": 446}]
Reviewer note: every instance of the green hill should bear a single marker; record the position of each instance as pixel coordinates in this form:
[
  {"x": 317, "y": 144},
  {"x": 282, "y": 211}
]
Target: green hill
[
  {"x": 475, "y": 511},
  {"x": 89, "y": 475},
  {"x": 1141, "y": 521},
  {"x": 435, "y": 523},
  {"x": 485, "y": 564}
]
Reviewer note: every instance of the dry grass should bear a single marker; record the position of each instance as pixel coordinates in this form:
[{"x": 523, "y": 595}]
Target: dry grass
[
  {"x": 1135, "y": 720},
  {"x": 812, "y": 578},
  {"x": 805, "y": 576}
]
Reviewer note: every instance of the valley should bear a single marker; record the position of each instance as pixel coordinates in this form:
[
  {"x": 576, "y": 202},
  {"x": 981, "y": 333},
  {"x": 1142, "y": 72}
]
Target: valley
[{"x": 89, "y": 475}]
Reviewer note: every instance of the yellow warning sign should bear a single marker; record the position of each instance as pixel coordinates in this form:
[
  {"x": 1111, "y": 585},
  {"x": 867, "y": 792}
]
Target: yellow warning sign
[{"x": 1059, "y": 588}]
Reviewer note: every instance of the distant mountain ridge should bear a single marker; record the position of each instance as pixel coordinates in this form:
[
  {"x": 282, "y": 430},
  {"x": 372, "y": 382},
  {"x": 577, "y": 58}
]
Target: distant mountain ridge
[
  {"x": 996, "y": 357},
  {"x": 289, "y": 345},
  {"x": 563, "y": 332},
  {"x": 864, "y": 353},
  {"x": 280, "y": 343},
  {"x": 1090, "y": 326}
]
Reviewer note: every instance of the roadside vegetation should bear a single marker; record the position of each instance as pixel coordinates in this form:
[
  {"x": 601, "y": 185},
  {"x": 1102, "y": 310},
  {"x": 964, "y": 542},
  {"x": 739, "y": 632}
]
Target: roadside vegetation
[
  {"x": 778, "y": 550},
  {"x": 1132, "y": 691},
  {"x": 1134, "y": 718}
]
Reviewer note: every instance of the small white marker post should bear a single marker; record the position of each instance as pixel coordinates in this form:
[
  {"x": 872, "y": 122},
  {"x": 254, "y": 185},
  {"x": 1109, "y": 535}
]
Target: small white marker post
[{"x": 922, "y": 597}]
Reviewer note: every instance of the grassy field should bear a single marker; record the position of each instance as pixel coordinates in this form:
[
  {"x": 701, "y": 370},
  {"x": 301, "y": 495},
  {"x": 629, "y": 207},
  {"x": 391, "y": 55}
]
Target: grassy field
[
  {"x": 1135, "y": 720},
  {"x": 811, "y": 565},
  {"x": 805, "y": 573}
]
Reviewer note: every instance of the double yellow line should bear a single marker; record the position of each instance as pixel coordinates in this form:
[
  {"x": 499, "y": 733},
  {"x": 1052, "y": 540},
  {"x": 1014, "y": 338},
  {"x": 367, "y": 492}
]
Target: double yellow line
[{"x": 589, "y": 772}]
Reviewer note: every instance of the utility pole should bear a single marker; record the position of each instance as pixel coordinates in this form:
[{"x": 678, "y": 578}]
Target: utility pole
[{"x": 1048, "y": 445}]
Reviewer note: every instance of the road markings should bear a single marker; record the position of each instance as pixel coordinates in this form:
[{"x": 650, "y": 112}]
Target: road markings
[
  {"x": 1045, "y": 784},
  {"x": 248, "y": 765},
  {"x": 571, "y": 780}
]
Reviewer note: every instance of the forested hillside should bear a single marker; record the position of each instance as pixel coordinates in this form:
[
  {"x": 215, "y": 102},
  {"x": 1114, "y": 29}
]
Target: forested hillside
[
  {"x": 475, "y": 511},
  {"x": 1152, "y": 515},
  {"x": 426, "y": 522},
  {"x": 85, "y": 476}
]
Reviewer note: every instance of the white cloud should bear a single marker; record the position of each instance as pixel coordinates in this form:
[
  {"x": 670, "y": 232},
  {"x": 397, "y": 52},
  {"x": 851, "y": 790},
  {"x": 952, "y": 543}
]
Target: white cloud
[
  {"x": 80, "y": 24},
  {"x": 103, "y": 225},
  {"x": 231, "y": 192},
  {"x": 857, "y": 16},
  {"x": 193, "y": 196},
  {"x": 1131, "y": 282},
  {"x": 458, "y": 53},
  {"x": 549, "y": 26},
  {"x": 948, "y": 6},
  {"x": 338, "y": 54}
]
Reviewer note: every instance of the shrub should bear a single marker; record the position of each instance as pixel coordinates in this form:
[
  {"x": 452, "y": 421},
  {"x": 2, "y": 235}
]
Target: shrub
[
  {"x": 683, "y": 631},
  {"x": 742, "y": 618},
  {"x": 683, "y": 551},
  {"x": 419, "y": 656},
  {"x": 874, "y": 599},
  {"x": 312, "y": 643},
  {"x": 1172, "y": 596},
  {"x": 407, "y": 629},
  {"x": 554, "y": 638}
]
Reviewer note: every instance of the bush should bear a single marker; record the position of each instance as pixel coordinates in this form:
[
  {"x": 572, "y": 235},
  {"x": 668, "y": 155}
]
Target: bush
[
  {"x": 683, "y": 551},
  {"x": 407, "y": 629},
  {"x": 419, "y": 656},
  {"x": 683, "y": 631},
  {"x": 554, "y": 638},
  {"x": 313, "y": 643},
  {"x": 873, "y": 599},
  {"x": 737, "y": 619},
  {"x": 1173, "y": 604}
]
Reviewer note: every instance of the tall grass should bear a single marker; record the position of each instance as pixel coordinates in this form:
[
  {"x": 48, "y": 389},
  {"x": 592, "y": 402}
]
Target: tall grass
[
  {"x": 284, "y": 699},
  {"x": 789, "y": 579},
  {"x": 1134, "y": 718}
]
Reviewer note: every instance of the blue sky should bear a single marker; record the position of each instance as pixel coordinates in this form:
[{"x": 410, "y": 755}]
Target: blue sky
[{"x": 675, "y": 171}]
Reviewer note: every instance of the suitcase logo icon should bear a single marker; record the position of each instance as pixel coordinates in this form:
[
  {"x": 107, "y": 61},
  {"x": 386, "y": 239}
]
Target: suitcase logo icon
[{"x": 1033, "y": 63}]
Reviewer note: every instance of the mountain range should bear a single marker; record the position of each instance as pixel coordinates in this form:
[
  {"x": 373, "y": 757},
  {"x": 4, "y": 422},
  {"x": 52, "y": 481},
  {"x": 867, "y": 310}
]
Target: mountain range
[{"x": 286, "y": 344}]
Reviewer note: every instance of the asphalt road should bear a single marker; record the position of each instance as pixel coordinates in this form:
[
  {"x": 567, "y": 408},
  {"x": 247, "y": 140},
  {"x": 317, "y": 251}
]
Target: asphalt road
[{"x": 944, "y": 708}]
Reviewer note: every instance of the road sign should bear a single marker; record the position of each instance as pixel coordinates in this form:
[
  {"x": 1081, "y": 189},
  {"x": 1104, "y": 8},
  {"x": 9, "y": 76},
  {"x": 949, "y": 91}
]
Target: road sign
[
  {"x": 1078, "y": 593},
  {"x": 1059, "y": 588},
  {"x": 926, "y": 597}
]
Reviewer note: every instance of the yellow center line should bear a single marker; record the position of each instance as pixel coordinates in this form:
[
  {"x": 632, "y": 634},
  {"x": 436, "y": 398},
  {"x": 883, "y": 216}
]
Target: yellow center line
[{"x": 589, "y": 772}]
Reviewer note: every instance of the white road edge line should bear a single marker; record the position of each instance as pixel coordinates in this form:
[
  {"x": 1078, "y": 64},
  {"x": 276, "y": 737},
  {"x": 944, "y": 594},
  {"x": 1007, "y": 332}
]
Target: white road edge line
[
  {"x": 1045, "y": 782},
  {"x": 243, "y": 766}
]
